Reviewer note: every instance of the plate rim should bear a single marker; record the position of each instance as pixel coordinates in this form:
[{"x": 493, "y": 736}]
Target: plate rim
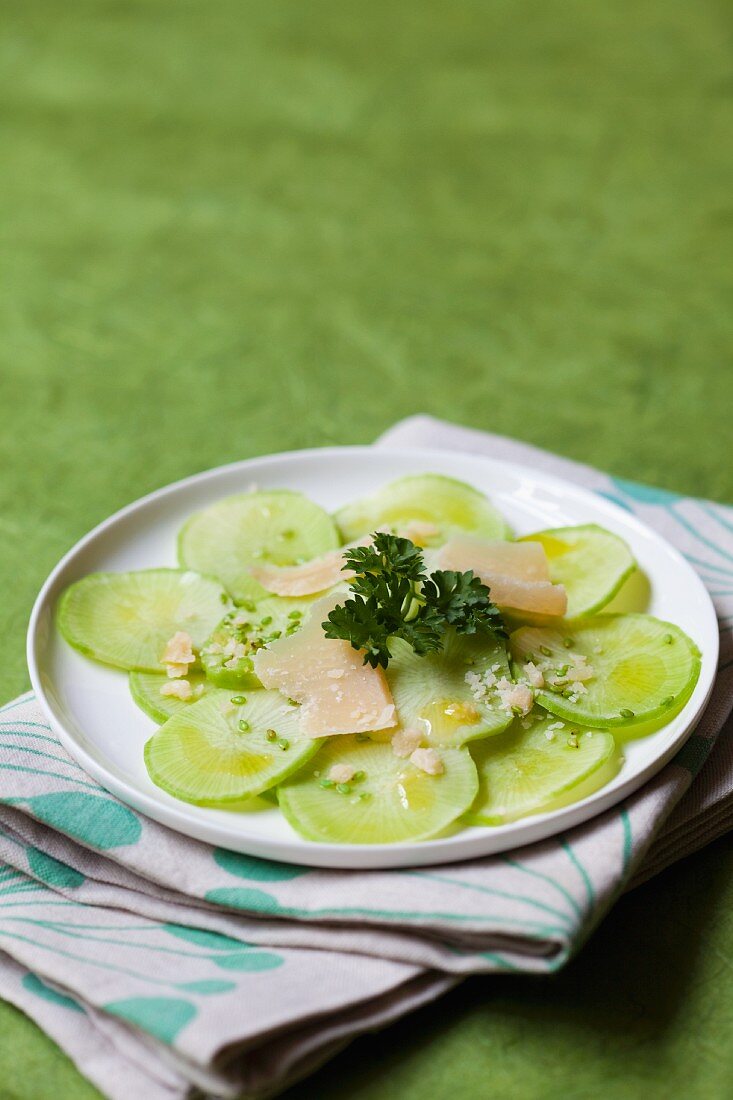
[{"x": 455, "y": 847}]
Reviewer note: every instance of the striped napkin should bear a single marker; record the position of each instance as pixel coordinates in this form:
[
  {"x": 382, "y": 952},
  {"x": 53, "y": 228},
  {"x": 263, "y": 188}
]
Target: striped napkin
[{"x": 164, "y": 965}]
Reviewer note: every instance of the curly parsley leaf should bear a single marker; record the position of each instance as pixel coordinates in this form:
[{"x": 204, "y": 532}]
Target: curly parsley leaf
[
  {"x": 393, "y": 598},
  {"x": 463, "y": 601},
  {"x": 359, "y": 622}
]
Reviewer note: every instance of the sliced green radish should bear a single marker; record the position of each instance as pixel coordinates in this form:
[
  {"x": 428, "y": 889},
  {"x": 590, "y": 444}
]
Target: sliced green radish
[
  {"x": 219, "y": 752},
  {"x": 641, "y": 668},
  {"x": 543, "y": 767},
  {"x": 589, "y": 561},
  {"x": 428, "y": 508},
  {"x": 433, "y": 695},
  {"x": 126, "y": 619},
  {"x": 150, "y": 692},
  {"x": 277, "y": 528},
  {"x": 387, "y": 801},
  {"x": 226, "y": 655}
]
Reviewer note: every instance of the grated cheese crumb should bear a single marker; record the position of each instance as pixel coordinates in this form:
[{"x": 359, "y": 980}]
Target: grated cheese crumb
[
  {"x": 404, "y": 742},
  {"x": 534, "y": 675},
  {"x": 178, "y": 689},
  {"x": 179, "y": 650},
  {"x": 427, "y": 760},
  {"x": 513, "y": 696},
  {"x": 175, "y": 671},
  {"x": 178, "y": 655},
  {"x": 342, "y": 773}
]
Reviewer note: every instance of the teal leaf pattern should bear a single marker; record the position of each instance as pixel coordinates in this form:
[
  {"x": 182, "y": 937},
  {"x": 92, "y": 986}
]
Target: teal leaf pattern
[
  {"x": 216, "y": 941},
  {"x": 53, "y": 871},
  {"x": 258, "y": 870},
  {"x": 206, "y": 988},
  {"x": 33, "y": 984},
  {"x": 93, "y": 819},
  {"x": 163, "y": 1017},
  {"x": 250, "y": 961},
  {"x": 645, "y": 494},
  {"x": 237, "y": 897}
]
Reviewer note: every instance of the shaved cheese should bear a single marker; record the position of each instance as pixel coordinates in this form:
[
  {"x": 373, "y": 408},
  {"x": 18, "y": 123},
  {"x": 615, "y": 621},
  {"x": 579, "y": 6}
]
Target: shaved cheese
[
  {"x": 511, "y": 574},
  {"x": 419, "y": 532},
  {"x": 306, "y": 579},
  {"x": 302, "y": 667},
  {"x": 525, "y": 561}
]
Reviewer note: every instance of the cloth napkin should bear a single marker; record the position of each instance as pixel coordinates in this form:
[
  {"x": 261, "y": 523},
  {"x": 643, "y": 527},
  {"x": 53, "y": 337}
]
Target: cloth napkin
[{"x": 164, "y": 965}]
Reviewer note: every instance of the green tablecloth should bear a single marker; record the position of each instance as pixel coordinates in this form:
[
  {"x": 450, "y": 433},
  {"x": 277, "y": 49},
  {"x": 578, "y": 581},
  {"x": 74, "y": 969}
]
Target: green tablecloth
[{"x": 232, "y": 227}]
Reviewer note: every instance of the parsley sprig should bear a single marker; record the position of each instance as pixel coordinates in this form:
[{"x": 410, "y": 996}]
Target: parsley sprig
[{"x": 393, "y": 597}]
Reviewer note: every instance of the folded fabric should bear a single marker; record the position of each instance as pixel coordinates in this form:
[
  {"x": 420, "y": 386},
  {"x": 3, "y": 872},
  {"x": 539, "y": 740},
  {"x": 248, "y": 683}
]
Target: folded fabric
[{"x": 162, "y": 964}]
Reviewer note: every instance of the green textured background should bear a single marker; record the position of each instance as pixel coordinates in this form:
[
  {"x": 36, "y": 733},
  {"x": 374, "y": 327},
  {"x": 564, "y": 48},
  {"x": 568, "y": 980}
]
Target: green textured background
[{"x": 231, "y": 227}]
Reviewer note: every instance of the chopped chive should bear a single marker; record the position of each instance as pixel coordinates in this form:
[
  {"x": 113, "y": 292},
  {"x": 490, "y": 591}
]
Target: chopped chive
[
  {"x": 546, "y": 651},
  {"x": 626, "y": 713},
  {"x": 343, "y": 788},
  {"x": 568, "y": 642},
  {"x": 224, "y": 598},
  {"x": 562, "y": 670},
  {"x": 271, "y": 735},
  {"x": 293, "y": 703},
  {"x": 266, "y": 621},
  {"x": 244, "y": 725},
  {"x": 295, "y": 614},
  {"x": 668, "y": 639},
  {"x": 284, "y": 744},
  {"x": 327, "y": 783},
  {"x": 239, "y": 700},
  {"x": 363, "y": 796},
  {"x": 358, "y": 776}
]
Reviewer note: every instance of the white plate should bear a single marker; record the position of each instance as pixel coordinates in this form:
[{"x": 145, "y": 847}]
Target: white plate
[{"x": 91, "y": 710}]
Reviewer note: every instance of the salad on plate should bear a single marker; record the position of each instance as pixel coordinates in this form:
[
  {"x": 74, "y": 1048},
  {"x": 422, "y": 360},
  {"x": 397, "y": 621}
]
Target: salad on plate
[{"x": 396, "y": 671}]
